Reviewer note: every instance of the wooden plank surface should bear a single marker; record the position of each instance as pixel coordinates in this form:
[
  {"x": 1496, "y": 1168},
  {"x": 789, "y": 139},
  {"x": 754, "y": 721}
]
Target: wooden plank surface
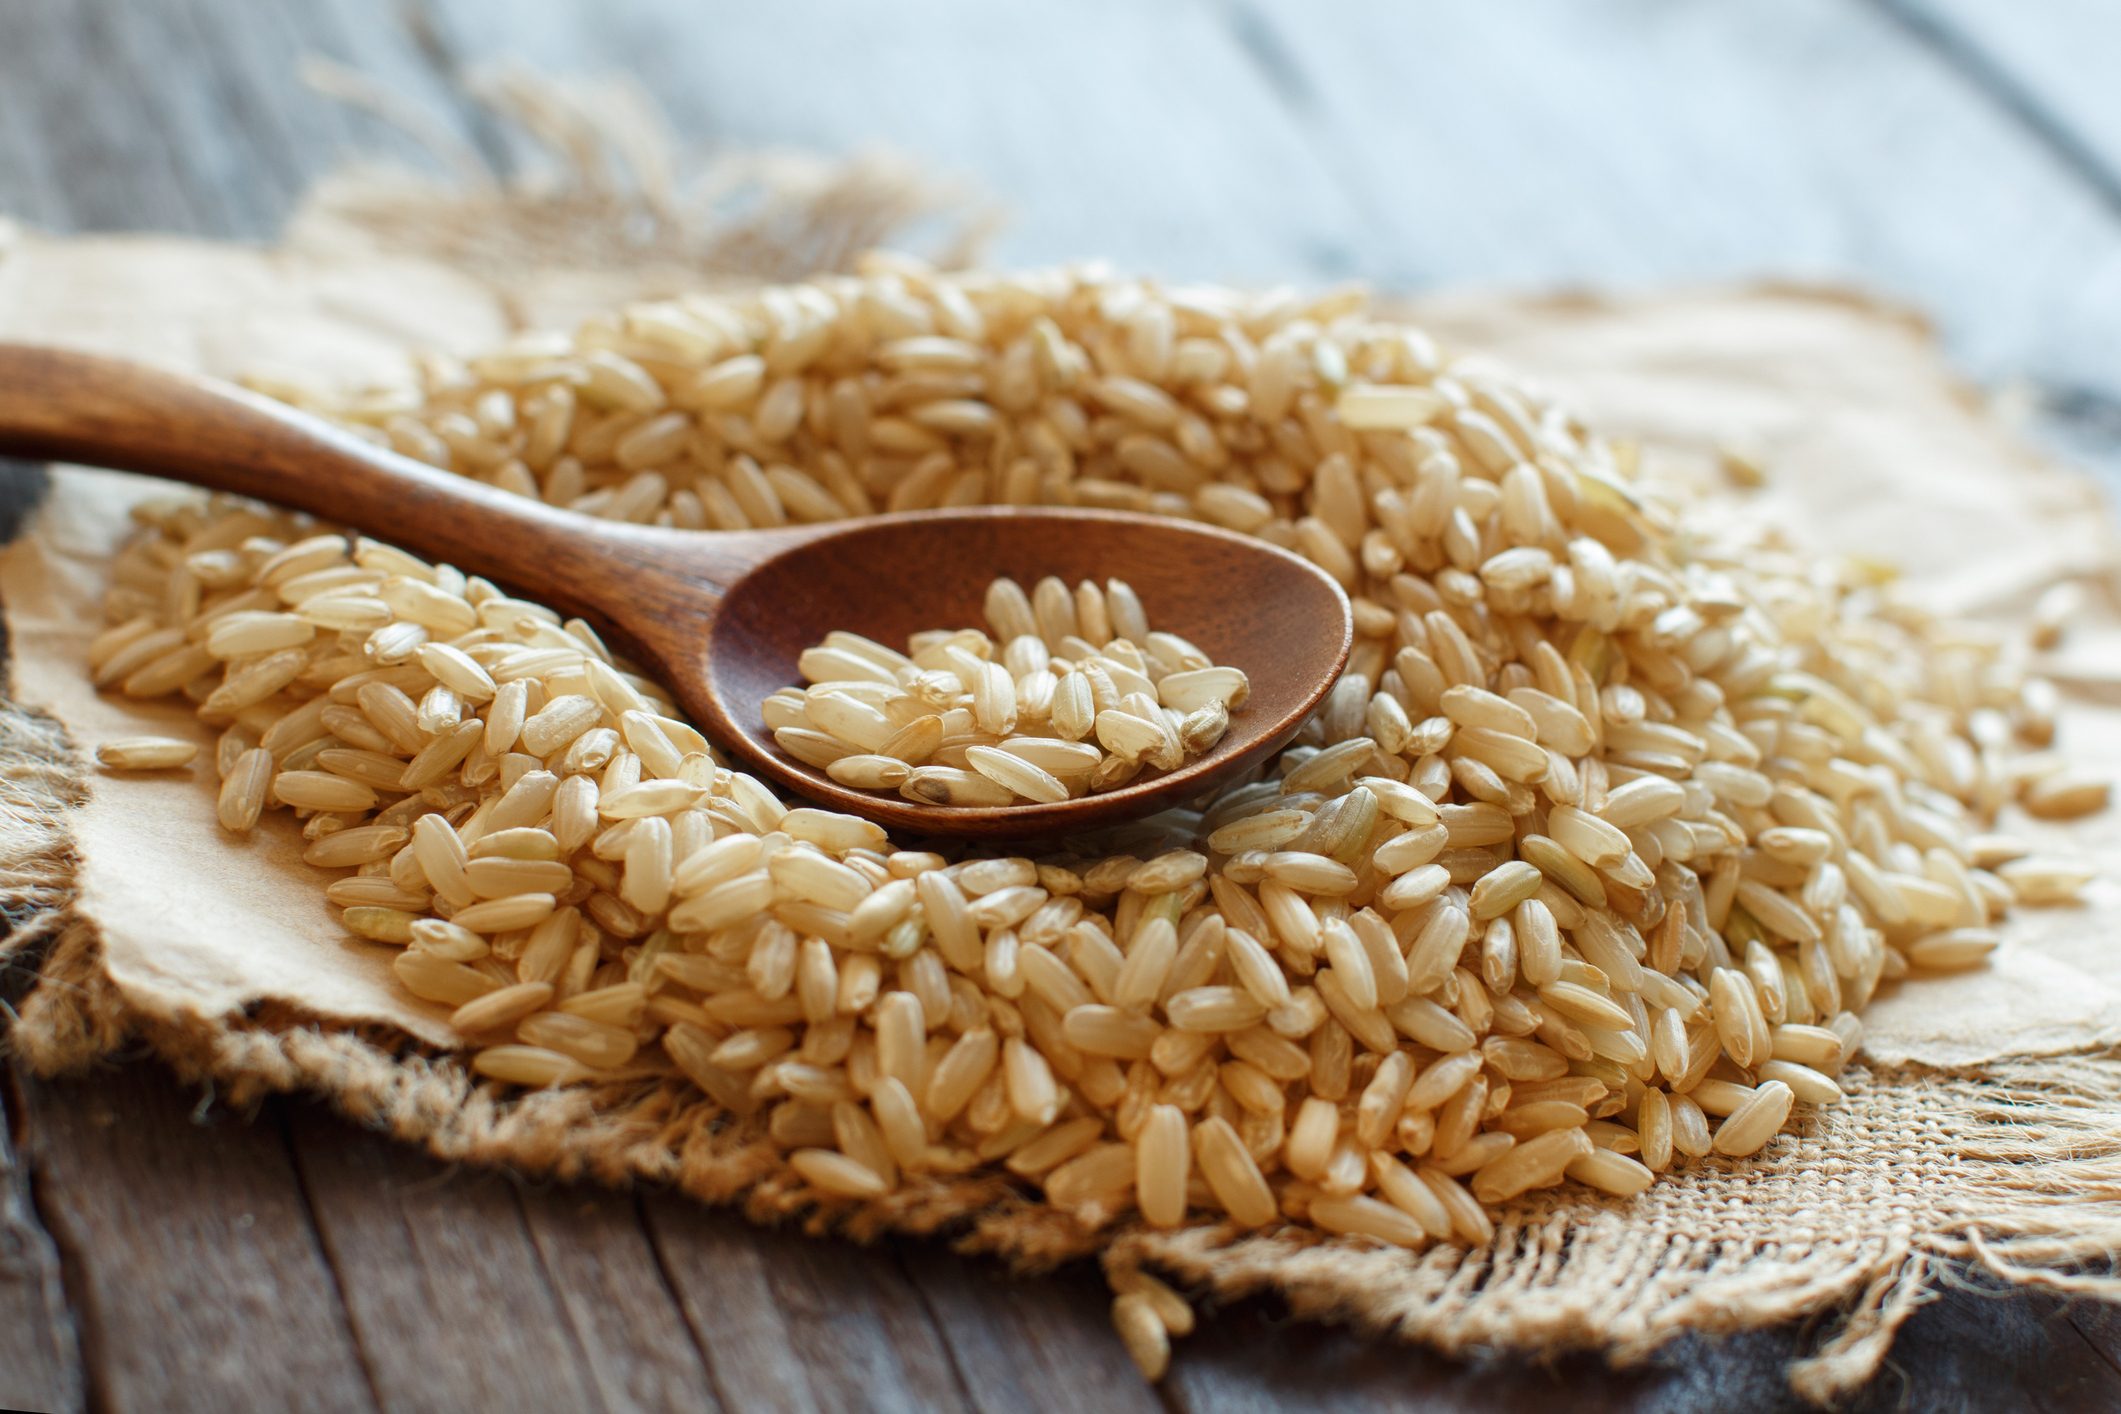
[
  {"x": 1641, "y": 141},
  {"x": 192, "y": 115},
  {"x": 182, "y": 1244},
  {"x": 639, "y": 1349},
  {"x": 1044, "y": 110},
  {"x": 413, "y": 1251},
  {"x": 2051, "y": 65},
  {"x": 40, "y": 1359},
  {"x": 1016, "y": 1341},
  {"x": 157, "y": 1253},
  {"x": 790, "y": 1322}
]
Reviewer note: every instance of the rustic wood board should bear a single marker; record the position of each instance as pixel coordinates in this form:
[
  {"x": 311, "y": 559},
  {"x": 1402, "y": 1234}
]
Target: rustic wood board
[
  {"x": 40, "y": 1354},
  {"x": 182, "y": 1246},
  {"x": 158, "y": 1252}
]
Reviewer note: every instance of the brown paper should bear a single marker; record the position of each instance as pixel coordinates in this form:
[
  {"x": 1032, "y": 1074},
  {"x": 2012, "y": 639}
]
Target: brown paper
[{"x": 195, "y": 921}]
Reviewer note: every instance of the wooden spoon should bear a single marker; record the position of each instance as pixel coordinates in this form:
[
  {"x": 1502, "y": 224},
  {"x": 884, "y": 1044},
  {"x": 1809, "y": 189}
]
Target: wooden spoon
[{"x": 720, "y": 616}]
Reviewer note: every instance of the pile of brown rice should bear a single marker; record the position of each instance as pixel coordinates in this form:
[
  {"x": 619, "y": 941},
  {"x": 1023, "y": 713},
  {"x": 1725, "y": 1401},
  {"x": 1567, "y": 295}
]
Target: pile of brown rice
[{"x": 1582, "y": 872}]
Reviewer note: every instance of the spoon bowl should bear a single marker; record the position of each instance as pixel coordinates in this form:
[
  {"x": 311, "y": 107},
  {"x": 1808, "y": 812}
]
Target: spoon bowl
[
  {"x": 721, "y": 617},
  {"x": 1244, "y": 603}
]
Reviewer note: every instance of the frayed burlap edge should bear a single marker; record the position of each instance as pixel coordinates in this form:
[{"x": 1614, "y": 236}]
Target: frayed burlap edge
[{"x": 1868, "y": 1209}]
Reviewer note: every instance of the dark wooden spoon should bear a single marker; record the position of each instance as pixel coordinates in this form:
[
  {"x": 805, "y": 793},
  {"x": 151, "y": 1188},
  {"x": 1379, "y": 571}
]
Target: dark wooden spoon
[{"x": 720, "y": 616}]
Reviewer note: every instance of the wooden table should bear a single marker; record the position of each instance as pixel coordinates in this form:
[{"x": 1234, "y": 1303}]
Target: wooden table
[{"x": 158, "y": 1252}]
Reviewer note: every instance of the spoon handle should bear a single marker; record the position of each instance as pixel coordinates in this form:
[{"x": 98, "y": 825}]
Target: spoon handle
[{"x": 62, "y": 405}]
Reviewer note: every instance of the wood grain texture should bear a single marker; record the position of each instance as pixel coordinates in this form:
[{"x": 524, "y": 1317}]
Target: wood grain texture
[
  {"x": 445, "y": 1288},
  {"x": 102, "y": 164},
  {"x": 195, "y": 1274},
  {"x": 596, "y": 1253},
  {"x": 797, "y": 1324},
  {"x": 2049, "y": 69},
  {"x": 2049, "y": 65},
  {"x": 40, "y": 1356},
  {"x": 193, "y": 115},
  {"x": 1018, "y": 1341},
  {"x": 2001, "y": 1349},
  {"x": 1139, "y": 133},
  {"x": 1971, "y": 1349},
  {"x": 718, "y": 1273},
  {"x": 1636, "y": 141}
]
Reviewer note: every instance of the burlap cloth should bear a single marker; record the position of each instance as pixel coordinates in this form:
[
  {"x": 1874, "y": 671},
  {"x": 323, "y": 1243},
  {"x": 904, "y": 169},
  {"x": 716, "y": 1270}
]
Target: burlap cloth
[{"x": 1984, "y": 1123}]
